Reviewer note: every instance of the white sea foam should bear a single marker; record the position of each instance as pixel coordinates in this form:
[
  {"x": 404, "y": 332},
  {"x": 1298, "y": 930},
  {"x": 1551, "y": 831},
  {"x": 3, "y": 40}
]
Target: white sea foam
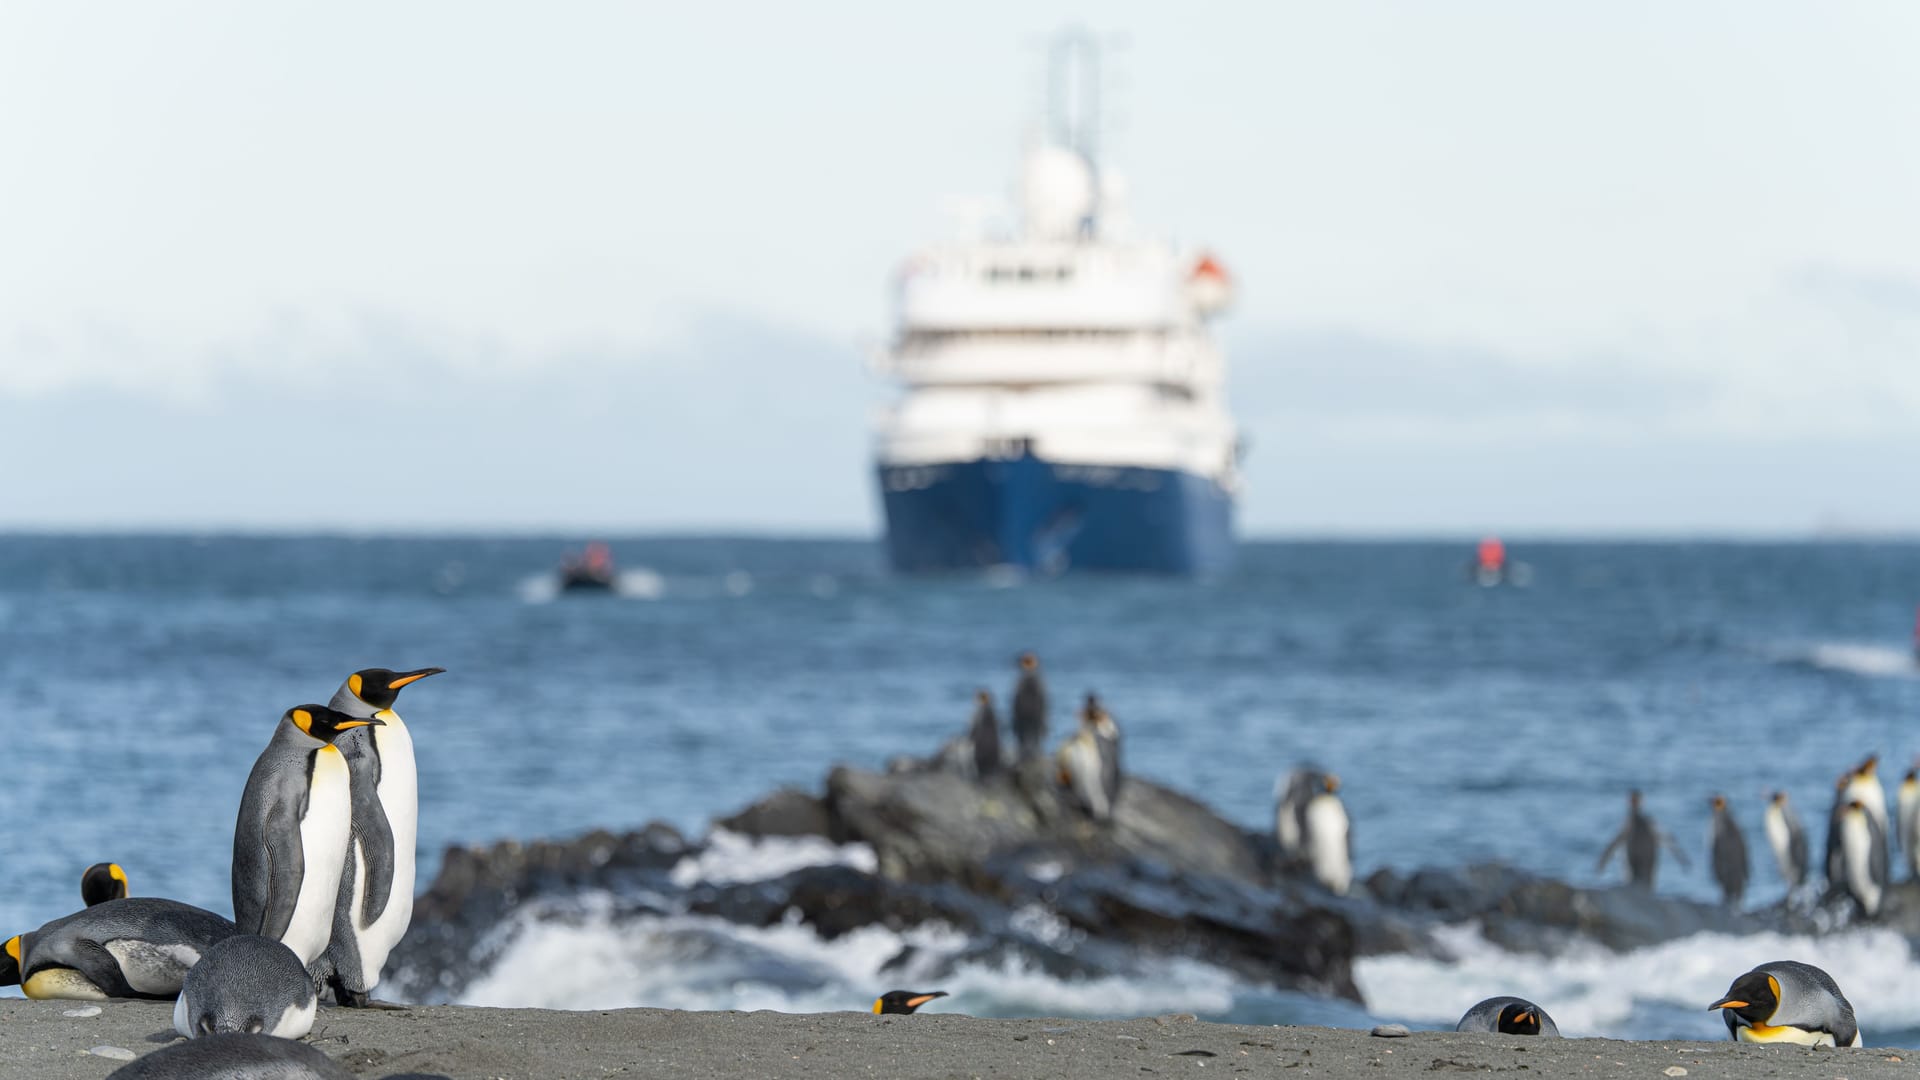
[
  {"x": 585, "y": 958},
  {"x": 1877, "y": 661},
  {"x": 729, "y": 857},
  {"x": 1653, "y": 992},
  {"x": 640, "y": 583}
]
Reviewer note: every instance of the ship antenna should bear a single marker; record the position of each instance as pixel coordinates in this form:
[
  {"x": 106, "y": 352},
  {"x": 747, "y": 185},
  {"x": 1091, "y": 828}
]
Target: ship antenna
[{"x": 1073, "y": 101}]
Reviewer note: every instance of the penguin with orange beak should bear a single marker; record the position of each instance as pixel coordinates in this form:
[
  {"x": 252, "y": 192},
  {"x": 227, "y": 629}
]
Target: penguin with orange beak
[
  {"x": 903, "y": 1001},
  {"x": 1508, "y": 1016},
  {"x": 375, "y": 903},
  {"x": 1788, "y": 1002}
]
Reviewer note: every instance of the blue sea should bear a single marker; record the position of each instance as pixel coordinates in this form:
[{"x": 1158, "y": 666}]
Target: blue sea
[{"x": 143, "y": 674}]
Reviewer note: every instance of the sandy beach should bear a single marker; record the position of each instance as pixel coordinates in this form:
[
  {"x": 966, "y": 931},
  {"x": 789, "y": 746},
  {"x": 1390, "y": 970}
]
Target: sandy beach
[{"x": 39, "y": 1042}]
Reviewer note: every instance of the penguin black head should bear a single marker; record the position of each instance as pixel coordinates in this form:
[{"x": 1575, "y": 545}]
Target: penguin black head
[
  {"x": 1779, "y": 798},
  {"x": 1868, "y": 767},
  {"x": 981, "y": 697},
  {"x": 1753, "y": 997},
  {"x": 903, "y": 1001},
  {"x": 326, "y": 725},
  {"x": 1330, "y": 782},
  {"x": 1518, "y": 1018},
  {"x": 103, "y": 881},
  {"x": 1029, "y": 662},
  {"x": 1719, "y": 802},
  {"x": 10, "y": 962},
  {"x": 380, "y": 688},
  {"x": 1633, "y": 798}
]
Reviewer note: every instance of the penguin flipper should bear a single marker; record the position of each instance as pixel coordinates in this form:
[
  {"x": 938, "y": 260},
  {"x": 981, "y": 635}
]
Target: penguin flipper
[
  {"x": 375, "y": 845},
  {"x": 1612, "y": 846},
  {"x": 285, "y": 859}
]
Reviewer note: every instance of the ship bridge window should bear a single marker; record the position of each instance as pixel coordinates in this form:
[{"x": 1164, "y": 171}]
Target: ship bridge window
[
  {"x": 1171, "y": 392},
  {"x": 1029, "y": 273}
]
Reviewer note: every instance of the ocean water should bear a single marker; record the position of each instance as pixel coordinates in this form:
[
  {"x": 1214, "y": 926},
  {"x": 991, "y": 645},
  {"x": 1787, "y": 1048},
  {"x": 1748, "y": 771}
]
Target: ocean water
[{"x": 143, "y": 674}]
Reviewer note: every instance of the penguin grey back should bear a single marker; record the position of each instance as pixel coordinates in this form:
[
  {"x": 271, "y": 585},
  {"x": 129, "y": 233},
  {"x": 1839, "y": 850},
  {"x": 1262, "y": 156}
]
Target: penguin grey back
[
  {"x": 1030, "y": 708},
  {"x": 1788, "y": 838},
  {"x": 234, "y": 1057},
  {"x": 246, "y": 984},
  {"x": 1508, "y": 1016},
  {"x": 1729, "y": 852},
  {"x": 1809, "y": 998}
]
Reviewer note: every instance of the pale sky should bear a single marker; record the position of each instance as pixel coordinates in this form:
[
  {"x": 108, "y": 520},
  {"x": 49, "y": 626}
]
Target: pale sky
[{"x": 1621, "y": 268}]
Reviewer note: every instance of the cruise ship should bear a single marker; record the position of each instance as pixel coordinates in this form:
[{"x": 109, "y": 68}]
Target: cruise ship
[{"x": 1063, "y": 402}]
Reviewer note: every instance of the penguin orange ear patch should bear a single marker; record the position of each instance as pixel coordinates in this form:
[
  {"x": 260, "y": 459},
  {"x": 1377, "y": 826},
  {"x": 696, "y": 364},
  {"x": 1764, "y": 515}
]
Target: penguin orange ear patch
[
  {"x": 353, "y": 683},
  {"x": 303, "y": 720}
]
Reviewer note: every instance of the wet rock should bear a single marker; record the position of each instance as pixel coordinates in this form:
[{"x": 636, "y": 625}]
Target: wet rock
[{"x": 784, "y": 813}]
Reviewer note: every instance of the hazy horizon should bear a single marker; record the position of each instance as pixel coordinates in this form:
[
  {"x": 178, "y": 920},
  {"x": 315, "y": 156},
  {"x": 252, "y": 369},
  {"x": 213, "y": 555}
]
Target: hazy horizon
[{"x": 1632, "y": 272}]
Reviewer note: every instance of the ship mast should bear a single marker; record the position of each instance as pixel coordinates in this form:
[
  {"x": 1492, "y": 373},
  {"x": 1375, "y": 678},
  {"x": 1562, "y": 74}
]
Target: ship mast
[{"x": 1073, "y": 108}]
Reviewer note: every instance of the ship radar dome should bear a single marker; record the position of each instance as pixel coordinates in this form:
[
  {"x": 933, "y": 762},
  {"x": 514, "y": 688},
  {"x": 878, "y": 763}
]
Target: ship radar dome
[{"x": 1056, "y": 193}]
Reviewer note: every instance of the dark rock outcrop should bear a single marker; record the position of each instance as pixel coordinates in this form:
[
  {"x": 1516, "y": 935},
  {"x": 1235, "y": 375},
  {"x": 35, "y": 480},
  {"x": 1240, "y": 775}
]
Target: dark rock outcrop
[{"x": 1026, "y": 876}]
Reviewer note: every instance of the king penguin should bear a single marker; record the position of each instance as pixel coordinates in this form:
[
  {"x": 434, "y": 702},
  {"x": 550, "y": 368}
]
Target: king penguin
[
  {"x": 1642, "y": 839},
  {"x": 1862, "y": 785},
  {"x": 234, "y": 1057},
  {"x": 375, "y": 902},
  {"x": 1030, "y": 708},
  {"x": 1788, "y": 839},
  {"x": 903, "y": 1001},
  {"x": 1082, "y": 763},
  {"x": 249, "y": 984},
  {"x": 1107, "y": 734},
  {"x": 139, "y": 947},
  {"x": 290, "y": 839},
  {"x": 984, "y": 736},
  {"x": 1508, "y": 1016},
  {"x": 1788, "y": 1002},
  {"x": 1863, "y": 857},
  {"x": 103, "y": 881},
  {"x": 1729, "y": 853}
]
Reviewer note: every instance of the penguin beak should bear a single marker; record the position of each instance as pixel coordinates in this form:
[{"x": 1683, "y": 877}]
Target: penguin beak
[
  {"x": 414, "y": 677},
  {"x": 1522, "y": 1018},
  {"x": 1727, "y": 1003},
  {"x": 371, "y": 721},
  {"x": 916, "y": 1002}
]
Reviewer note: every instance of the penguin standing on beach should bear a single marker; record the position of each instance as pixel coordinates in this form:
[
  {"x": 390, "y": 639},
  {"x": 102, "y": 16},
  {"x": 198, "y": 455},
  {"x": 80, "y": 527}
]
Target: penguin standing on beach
[
  {"x": 375, "y": 900},
  {"x": 984, "y": 735},
  {"x": 1642, "y": 839},
  {"x": 1788, "y": 1002},
  {"x": 1508, "y": 1016},
  {"x": 1729, "y": 853},
  {"x": 101, "y": 882},
  {"x": 1863, "y": 857},
  {"x": 1860, "y": 785},
  {"x": 290, "y": 839},
  {"x": 1030, "y": 709},
  {"x": 248, "y": 984},
  {"x": 139, "y": 947},
  {"x": 1788, "y": 839}
]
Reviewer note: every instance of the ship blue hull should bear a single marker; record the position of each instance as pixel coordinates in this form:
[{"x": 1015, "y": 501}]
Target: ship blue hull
[{"x": 1046, "y": 518}]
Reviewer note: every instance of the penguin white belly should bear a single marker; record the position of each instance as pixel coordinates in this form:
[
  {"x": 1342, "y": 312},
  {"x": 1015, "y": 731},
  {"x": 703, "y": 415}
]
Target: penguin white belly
[
  {"x": 296, "y": 1021},
  {"x": 1285, "y": 829},
  {"x": 1327, "y": 838},
  {"x": 323, "y": 841},
  {"x": 399, "y": 792},
  {"x": 1873, "y": 797},
  {"x": 151, "y": 968},
  {"x": 1778, "y": 839},
  {"x": 1083, "y": 766},
  {"x": 1856, "y": 844}
]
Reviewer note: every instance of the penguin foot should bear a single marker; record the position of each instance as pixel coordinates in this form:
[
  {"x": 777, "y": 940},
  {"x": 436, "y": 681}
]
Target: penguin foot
[{"x": 350, "y": 999}]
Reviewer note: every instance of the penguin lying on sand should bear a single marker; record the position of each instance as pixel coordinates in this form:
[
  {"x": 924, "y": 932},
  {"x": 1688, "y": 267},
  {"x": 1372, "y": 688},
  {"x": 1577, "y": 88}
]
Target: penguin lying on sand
[
  {"x": 1508, "y": 1016},
  {"x": 904, "y": 1001},
  {"x": 1788, "y": 1002},
  {"x": 140, "y": 947},
  {"x": 246, "y": 984},
  {"x": 234, "y": 1057}
]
